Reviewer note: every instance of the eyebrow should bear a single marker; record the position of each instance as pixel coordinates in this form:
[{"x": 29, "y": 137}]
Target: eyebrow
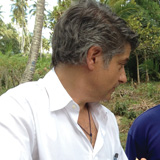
[{"x": 124, "y": 61}]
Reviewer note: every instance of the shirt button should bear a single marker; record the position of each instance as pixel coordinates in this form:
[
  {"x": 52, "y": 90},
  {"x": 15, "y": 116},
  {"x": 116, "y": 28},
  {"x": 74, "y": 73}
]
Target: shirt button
[{"x": 73, "y": 106}]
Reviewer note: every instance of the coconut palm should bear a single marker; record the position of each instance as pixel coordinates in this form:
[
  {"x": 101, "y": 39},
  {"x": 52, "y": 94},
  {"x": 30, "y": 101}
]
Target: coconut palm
[
  {"x": 32, "y": 11},
  {"x": 58, "y": 10},
  {"x": 19, "y": 16},
  {"x": 36, "y": 40}
]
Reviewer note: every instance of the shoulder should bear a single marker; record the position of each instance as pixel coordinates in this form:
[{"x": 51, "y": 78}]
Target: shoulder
[
  {"x": 149, "y": 116},
  {"x": 23, "y": 90},
  {"x": 146, "y": 122},
  {"x": 23, "y": 95}
]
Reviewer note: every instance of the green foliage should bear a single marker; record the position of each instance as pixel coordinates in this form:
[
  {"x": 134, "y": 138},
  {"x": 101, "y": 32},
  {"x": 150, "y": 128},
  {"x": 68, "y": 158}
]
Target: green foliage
[
  {"x": 143, "y": 16},
  {"x": 45, "y": 44},
  {"x": 123, "y": 8},
  {"x": 153, "y": 66},
  {"x": 8, "y": 39},
  {"x": 57, "y": 12},
  {"x": 151, "y": 90},
  {"x": 12, "y": 68},
  {"x": 19, "y": 17},
  {"x": 148, "y": 28},
  {"x": 19, "y": 10},
  {"x": 131, "y": 115},
  {"x": 124, "y": 126},
  {"x": 121, "y": 108},
  {"x": 43, "y": 66},
  {"x": 148, "y": 32},
  {"x": 152, "y": 8}
]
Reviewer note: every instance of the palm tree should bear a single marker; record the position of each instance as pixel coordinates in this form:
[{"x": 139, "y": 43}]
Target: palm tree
[
  {"x": 34, "y": 51},
  {"x": 32, "y": 11},
  {"x": 33, "y": 7},
  {"x": 45, "y": 44},
  {"x": 58, "y": 10},
  {"x": 19, "y": 8}
]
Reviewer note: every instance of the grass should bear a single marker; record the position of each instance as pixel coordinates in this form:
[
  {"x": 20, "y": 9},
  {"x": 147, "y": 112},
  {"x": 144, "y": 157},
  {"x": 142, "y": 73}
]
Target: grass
[{"x": 128, "y": 102}]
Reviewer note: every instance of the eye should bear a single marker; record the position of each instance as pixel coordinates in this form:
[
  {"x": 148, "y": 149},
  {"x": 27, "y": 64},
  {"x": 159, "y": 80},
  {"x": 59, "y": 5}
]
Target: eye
[{"x": 121, "y": 66}]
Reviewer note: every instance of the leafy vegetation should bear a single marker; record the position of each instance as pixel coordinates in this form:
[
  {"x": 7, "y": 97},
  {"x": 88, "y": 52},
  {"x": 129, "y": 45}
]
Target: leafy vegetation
[{"x": 12, "y": 68}]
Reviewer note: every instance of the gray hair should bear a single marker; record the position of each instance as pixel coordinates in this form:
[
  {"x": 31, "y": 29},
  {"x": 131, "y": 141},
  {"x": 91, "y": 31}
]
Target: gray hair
[{"x": 88, "y": 24}]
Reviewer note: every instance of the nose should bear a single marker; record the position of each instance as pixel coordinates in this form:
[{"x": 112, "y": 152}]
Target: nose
[{"x": 123, "y": 78}]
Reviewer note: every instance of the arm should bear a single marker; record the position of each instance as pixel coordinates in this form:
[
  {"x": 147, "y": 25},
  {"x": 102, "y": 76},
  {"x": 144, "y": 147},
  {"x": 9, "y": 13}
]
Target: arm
[
  {"x": 136, "y": 142},
  {"x": 16, "y": 130}
]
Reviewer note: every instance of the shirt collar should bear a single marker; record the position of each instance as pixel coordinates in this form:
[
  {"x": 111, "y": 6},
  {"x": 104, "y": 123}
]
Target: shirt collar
[
  {"x": 101, "y": 115},
  {"x": 58, "y": 96}
]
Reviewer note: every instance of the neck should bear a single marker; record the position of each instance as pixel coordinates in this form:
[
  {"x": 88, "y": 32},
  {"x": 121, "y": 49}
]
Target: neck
[{"x": 73, "y": 79}]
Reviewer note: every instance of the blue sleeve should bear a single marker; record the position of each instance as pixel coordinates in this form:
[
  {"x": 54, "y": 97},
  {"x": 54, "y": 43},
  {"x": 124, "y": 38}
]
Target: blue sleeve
[
  {"x": 143, "y": 139},
  {"x": 130, "y": 148},
  {"x": 135, "y": 146}
]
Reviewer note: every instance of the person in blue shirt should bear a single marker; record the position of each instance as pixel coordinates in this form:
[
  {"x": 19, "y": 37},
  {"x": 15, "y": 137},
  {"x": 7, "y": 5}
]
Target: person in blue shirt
[{"x": 144, "y": 136}]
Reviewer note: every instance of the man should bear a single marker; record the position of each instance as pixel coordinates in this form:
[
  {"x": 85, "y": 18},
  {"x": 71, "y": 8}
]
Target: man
[
  {"x": 59, "y": 117},
  {"x": 144, "y": 136}
]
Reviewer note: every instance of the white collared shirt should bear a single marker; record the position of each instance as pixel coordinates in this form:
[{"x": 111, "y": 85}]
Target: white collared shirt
[{"x": 38, "y": 121}]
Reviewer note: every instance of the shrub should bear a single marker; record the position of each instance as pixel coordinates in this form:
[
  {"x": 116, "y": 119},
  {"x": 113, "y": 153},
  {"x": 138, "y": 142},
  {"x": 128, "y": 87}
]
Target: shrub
[
  {"x": 12, "y": 68},
  {"x": 120, "y": 108}
]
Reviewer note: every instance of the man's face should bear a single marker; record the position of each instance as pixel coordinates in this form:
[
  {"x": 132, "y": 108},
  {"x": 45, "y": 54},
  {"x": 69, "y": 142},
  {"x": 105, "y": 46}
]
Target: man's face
[{"x": 108, "y": 78}]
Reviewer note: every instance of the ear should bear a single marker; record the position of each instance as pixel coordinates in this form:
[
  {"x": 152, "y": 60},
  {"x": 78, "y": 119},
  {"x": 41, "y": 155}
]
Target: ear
[{"x": 93, "y": 56}]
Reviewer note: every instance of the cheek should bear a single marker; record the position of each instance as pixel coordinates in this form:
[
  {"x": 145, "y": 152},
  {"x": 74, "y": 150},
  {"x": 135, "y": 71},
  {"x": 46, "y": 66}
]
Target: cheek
[{"x": 113, "y": 76}]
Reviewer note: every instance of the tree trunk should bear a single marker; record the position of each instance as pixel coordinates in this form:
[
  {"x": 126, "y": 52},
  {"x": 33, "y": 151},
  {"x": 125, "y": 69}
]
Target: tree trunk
[
  {"x": 40, "y": 50},
  {"x": 22, "y": 41},
  {"x": 34, "y": 51},
  {"x": 27, "y": 41},
  {"x": 22, "y": 32},
  {"x": 147, "y": 74},
  {"x": 138, "y": 75}
]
